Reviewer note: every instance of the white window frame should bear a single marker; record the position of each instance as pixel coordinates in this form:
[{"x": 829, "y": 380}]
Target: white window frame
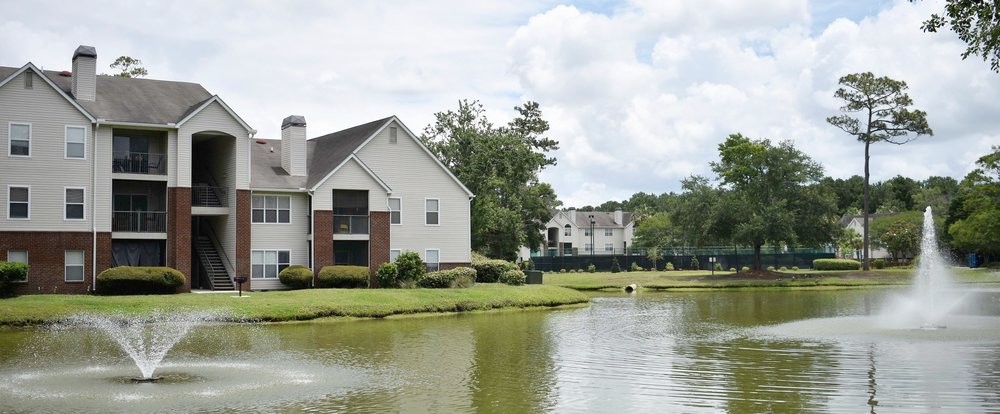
[
  {"x": 66, "y": 142},
  {"x": 277, "y": 265},
  {"x": 277, "y": 209},
  {"x": 588, "y": 247},
  {"x": 567, "y": 231},
  {"x": 399, "y": 212},
  {"x": 81, "y": 265},
  {"x": 438, "y": 212},
  {"x": 66, "y": 204},
  {"x": 393, "y": 135},
  {"x": 436, "y": 265},
  {"x": 10, "y": 139},
  {"x": 25, "y": 261},
  {"x": 609, "y": 247},
  {"x": 609, "y": 232},
  {"x": 393, "y": 254},
  {"x": 9, "y": 187},
  {"x": 586, "y": 232}
]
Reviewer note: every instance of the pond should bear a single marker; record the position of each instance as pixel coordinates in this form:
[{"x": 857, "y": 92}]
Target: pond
[{"x": 718, "y": 351}]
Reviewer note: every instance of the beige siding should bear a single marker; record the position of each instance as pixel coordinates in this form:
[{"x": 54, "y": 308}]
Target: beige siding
[
  {"x": 213, "y": 118},
  {"x": 291, "y": 236},
  {"x": 351, "y": 176},
  {"x": 46, "y": 171},
  {"x": 414, "y": 176},
  {"x": 102, "y": 193}
]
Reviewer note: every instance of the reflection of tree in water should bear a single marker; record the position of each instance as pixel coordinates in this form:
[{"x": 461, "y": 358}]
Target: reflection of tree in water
[
  {"x": 872, "y": 385},
  {"x": 514, "y": 371}
]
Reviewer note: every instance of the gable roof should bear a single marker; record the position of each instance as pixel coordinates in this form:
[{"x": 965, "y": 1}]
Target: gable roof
[
  {"x": 266, "y": 171},
  {"x": 846, "y": 219},
  {"x": 8, "y": 73},
  {"x": 329, "y": 151},
  {"x": 602, "y": 219}
]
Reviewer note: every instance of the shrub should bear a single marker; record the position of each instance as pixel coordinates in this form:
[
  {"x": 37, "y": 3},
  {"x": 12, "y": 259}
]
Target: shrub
[
  {"x": 560, "y": 271},
  {"x": 635, "y": 267},
  {"x": 614, "y": 265},
  {"x": 745, "y": 269},
  {"x": 513, "y": 277},
  {"x": 669, "y": 266},
  {"x": 387, "y": 275},
  {"x": 137, "y": 280},
  {"x": 795, "y": 268},
  {"x": 694, "y": 263},
  {"x": 296, "y": 276},
  {"x": 489, "y": 270},
  {"x": 770, "y": 268},
  {"x": 11, "y": 272},
  {"x": 457, "y": 277},
  {"x": 591, "y": 268},
  {"x": 410, "y": 267},
  {"x": 783, "y": 269},
  {"x": 527, "y": 265},
  {"x": 732, "y": 269},
  {"x": 836, "y": 264},
  {"x": 878, "y": 263},
  {"x": 343, "y": 277},
  {"x": 717, "y": 267}
]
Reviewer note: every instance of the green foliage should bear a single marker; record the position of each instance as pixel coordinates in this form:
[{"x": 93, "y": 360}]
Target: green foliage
[
  {"x": 974, "y": 222},
  {"x": 128, "y": 67},
  {"x": 976, "y": 22},
  {"x": 653, "y": 254},
  {"x": 901, "y": 239},
  {"x": 878, "y": 263},
  {"x": 387, "y": 275},
  {"x": 527, "y": 265},
  {"x": 459, "y": 277},
  {"x": 669, "y": 266},
  {"x": 490, "y": 270},
  {"x": 296, "y": 277},
  {"x": 732, "y": 269},
  {"x": 615, "y": 268},
  {"x": 500, "y": 164},
  {"x": 783, "y": 269},
  {"x": 562, "y": 270},
  {"x": 717, "y": 267},
  {"x": 136, "y": 280},
  {"x": 410, "y": 267},
  {"x": 836, "y": 264},
  {"x": 795, "y": 268},
  {"x": 591, "y": 268},
  {"x": 635, "y": 267},
  {"x": 745, "y": 269},
  {"x": 695, "y": 265},
  {"x": 655, "y": 231},
  {"x": 513, "y": 277},
  {"x": 10, "y": 273},
  {"x": 343, "y": 277}
]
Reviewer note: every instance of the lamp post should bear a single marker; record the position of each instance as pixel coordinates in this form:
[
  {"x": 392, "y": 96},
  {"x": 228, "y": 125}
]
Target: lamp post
[{"x": 592, "y": 247}]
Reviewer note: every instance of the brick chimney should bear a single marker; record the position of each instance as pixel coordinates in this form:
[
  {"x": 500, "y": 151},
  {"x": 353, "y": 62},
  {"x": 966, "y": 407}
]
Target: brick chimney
[
  {"x": 85, "y": 73},
  {"x": 293, "y": 145}
]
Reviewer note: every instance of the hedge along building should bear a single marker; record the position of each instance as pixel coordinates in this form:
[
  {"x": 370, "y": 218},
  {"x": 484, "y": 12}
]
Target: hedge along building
[
  {"x": 99, "y": 171},
  {"x": 360, "y": 196}
]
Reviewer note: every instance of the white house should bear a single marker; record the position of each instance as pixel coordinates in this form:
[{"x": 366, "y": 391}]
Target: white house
[
  {"x": 856, "y": 223},
  {"x": 571, "y": 233}
]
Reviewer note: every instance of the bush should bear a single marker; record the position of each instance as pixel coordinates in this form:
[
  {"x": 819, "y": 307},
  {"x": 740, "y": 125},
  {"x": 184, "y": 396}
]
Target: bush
[
  {"x": 527, "y": 265},
  {"x": 343, "y": 277},
  {"x": 732, "y": 269},
  {"x": 717, "y": 267},
  {"x": 296, "y": 276},
  {"x": 560, "y": 271},
  {"x": 11, "y": 272},
  {"x": 387, "y": 275},
  {"x": 461, "y": 277},
  {"x": 795, "y": 268},
  {"x": 669, "y": 266},
  {"x": 591, "y": 268},
  {"x": 635, "y": 267},
  {"x": 513, "y": 277},
  {"x": 614, "y": 265},
  {"x": 490, "y": 270},
  {"x": 770, "y": 268},
  {"x": 878, "y": 263},
  {"x": 836, "y": 264},
  {"x": 783, "y": 269},
  {"x": 410, "y": 267},
  {"x": 139, "y": 280},
  {"x": 745, "y": 269},
  {"x": 694, "y": 263}
]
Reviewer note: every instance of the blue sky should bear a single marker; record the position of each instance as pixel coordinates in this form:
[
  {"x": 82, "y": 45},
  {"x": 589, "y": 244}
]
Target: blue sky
[{"x": 639, "y": 93}]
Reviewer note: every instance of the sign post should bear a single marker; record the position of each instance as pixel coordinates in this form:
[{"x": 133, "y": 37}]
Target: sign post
[{"x": 711, "y": 261}]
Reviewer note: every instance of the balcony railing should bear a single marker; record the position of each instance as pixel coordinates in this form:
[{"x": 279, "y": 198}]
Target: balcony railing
[
  {"x": 139, "y": 163},
  {"x": 205, "y": 196},
  {"x": 139, "y": 221},
  {"x": 344, "y": 224}
]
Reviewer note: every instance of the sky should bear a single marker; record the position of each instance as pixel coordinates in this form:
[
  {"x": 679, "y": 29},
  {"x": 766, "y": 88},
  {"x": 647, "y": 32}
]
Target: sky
[{"x": 639, "y": 93}]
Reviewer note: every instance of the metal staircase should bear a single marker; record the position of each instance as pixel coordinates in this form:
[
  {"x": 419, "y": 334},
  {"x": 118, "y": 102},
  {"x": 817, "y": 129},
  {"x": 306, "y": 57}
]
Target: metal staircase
[{"x": 211, "y": 261}]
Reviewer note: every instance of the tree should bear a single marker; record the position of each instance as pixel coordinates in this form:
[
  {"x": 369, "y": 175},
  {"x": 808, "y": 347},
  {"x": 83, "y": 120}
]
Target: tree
[
  {"x": 655, "y": 232},
  {"x": 974, "y": 223},
  {"x": 848, "y": 239},
  {"x": 772, "y": 196},
  {"x": 901, "y": 239},
  {"x": 936, "y": 192},
  {"x": 653, "y": 254},
  {"x": 885, "y": 116},
  {"x": 500, "y": 165},
  {"x": 695, "y": 215},
  {"x": 977, "y": 23},
  {"x": 128, "y": 67}
]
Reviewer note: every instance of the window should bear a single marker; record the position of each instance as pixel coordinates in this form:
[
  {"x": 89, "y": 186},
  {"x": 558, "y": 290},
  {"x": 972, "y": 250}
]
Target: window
[
  {"x": 588, "y": 247},
  {"x": 393, "y": 138},
  {"x": 74, "y": 265},
  {"x": 18, "y": 199},
  {"x": 609, "y": 232},
  {"x": 609, "y": 247},
  {"x": 270, "y": 209},
  {"x": 19, "y": 136},
  {"x": 567, "y": 230},
  {"x": 18, "y": 256},
  {"x": 393, "y": 254},
  {"x": 74, "y": 203},
  {"x": 266, "y": 264},
  {"x": 395, "y": 213},
  {"x": 432, "y": 211},
  {"x": 586, "y": 232},
  {"x": 29, "y": 80},
  {"x": 432, "y": 257},
  {"x": 76, "y": 143}
]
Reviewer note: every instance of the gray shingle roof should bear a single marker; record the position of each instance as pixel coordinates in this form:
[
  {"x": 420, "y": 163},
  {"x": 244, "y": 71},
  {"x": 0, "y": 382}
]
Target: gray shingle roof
[
  {"x": 266, "y": 171},
  {"x": 601, "y": 219}
]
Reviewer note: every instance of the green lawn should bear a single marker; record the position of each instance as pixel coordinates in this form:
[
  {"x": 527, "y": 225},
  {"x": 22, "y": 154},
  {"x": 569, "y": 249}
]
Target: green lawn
[{"x": 294, "y": 305}]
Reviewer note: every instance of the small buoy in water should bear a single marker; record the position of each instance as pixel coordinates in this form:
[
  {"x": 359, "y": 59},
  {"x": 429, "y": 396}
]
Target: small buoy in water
[{"x": 630, "y": 288}]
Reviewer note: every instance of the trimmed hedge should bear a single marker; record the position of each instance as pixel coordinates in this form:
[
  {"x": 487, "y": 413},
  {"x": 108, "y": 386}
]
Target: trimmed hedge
[
  {"x": 513, "y": 277},
  {"x": 139, "y": 280},
  {"x": 836, "y": 264},
  {"x": 459, "y": 277},
  {"x": 296, "y": 276},
  {"x": 387, "y": 275},
  {"x": 11, "y": 272},
  {"x": 490, "y": 270},
  {"x": 343, "y": 277}
]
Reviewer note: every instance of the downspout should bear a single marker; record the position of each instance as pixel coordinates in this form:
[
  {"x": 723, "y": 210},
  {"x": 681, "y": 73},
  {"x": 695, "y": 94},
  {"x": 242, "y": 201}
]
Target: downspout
[
  {"x": 236, "y": 259},
  {"x": 312, "y": 232},
  {"x": 93, "y": 209}
]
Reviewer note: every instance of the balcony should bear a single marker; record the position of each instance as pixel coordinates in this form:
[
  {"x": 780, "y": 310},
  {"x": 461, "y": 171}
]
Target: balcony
[
  {"x": 205, "y": 196},
  {"x": 350, "y": 224},
  {"x": 139, "y": 221},
  {"x": 129, "y": 162}
]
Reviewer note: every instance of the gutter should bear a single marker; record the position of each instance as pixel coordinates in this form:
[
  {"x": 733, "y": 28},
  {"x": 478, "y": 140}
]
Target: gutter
[{"x": 93, "y": 209}]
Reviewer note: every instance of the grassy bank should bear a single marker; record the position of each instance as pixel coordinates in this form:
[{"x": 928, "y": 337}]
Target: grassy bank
[
  {"x": 729, "y": 280},
  {"x": 294, "y": 305}
]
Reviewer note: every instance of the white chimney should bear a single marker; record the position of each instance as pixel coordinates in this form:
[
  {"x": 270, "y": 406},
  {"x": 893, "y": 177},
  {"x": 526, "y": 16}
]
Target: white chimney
[
  {"x": 572, "y": 215},
  {"x": 293, "y": 145},
  {"x": 618, "y": 216},
  {"x": 85, "y": 73}
]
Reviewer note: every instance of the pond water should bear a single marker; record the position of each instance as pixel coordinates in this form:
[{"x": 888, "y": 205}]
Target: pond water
[{"x": 737, "y": 352}]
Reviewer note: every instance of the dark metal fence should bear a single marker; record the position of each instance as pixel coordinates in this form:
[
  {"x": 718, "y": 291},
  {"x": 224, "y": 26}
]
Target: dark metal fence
[{"x": 680, "y": 261}]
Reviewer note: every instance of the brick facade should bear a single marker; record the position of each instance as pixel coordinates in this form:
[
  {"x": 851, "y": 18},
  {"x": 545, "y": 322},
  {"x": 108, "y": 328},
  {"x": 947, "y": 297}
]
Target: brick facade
[
  {"x": 243, "y": 226},
  {"x": 378, "y": 243},
  {"x": 46, "y": 259},
  {"x": 179, "y": 233},
  {"x": 322, "y": 239}
]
